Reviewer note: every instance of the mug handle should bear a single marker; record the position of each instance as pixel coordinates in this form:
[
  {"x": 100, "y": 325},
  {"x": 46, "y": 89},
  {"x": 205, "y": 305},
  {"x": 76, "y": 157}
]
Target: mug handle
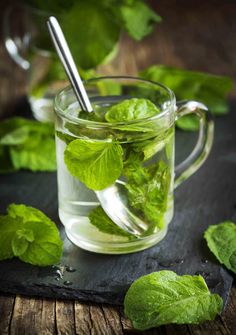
[
  {"x": 204, "y": 143},
  {"x": 14, "y": 43}
]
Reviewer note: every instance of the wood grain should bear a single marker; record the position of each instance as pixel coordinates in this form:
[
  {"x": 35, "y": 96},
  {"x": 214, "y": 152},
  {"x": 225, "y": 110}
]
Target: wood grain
[{"x": 34, "y": 316}]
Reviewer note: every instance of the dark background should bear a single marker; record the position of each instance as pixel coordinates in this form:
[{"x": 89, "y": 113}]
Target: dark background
[{"x": 196, "y": 35}]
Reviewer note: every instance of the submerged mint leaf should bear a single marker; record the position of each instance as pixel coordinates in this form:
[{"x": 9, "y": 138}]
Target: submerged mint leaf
[
  {"x": 65, "y": 137},
  {"x": 221, "y": 240},
  {"x": 131, "y": 109},
  {"x": 138, "y": 19},
  {"x": 210, "y": 89},
  {"x": 148, "y": 190},
  {"x": 164, "y": 297},
  {"x": 102, "y": 222},
  {"x": 29, "y": 234},
  {"x": 96, "y": 164}
]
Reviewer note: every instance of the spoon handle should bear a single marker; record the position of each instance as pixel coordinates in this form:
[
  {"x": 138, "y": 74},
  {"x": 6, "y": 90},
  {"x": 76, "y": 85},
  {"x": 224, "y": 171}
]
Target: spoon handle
[{"x": 68, "y": 63}]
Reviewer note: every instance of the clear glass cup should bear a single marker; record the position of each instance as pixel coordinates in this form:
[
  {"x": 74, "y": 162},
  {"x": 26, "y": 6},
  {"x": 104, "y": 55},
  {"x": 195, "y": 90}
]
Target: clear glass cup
[
  {"x": 28, "y": 43},
  {"x": 148, "y": 177}
]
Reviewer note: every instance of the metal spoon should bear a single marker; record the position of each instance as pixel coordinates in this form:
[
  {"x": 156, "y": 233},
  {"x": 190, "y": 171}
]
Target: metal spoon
[
  {"x": 67, "y": 60},
  {"x": 112, "y": 198}
]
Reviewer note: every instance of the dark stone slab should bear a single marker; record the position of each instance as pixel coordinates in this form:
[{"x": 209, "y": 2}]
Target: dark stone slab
[{"x": 208, "y": 197}]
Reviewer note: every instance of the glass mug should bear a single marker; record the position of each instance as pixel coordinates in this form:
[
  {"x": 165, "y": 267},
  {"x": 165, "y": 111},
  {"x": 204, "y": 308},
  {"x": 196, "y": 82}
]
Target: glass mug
[
  {"x": 144, "y": 188},
  {"x": 28, "y": 43}
]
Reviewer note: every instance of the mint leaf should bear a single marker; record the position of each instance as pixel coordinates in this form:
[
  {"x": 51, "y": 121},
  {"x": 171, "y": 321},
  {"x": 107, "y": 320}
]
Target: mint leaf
[
  {"x": 131, "y": 109},
  {"x": 8, "y": 228},
  {"x": 17, "y": 136},
  {"x": 41, "y": 157},
  {"x": 204, "y": 87},
  {"x": 102, "y": 222},
  {"x": 26, "y": 144},
  {"x": 221, "y": 240},
  {"x": 27, "y": 213},
  {"x": 96, "y": 164},
  {"x": 148, "y": 189},
  {"x": 46, "y": 248},
  {"x": 164, "y": 297},
  {"x": 29, "y": 234},
  {"x": 65, "y": 137},
  {"x": 138, "y": 19},
  {"x": 89, "y": 47},
  {"x": 21, "y": 240}
]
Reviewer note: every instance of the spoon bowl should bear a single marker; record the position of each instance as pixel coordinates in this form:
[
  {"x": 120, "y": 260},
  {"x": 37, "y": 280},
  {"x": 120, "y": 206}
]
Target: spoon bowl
[{"x": 113, "y": 200}]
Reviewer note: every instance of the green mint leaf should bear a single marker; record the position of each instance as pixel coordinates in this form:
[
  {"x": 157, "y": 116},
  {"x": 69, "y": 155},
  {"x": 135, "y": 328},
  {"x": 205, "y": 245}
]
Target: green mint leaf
[
  {"x": 207, "y": 88},
  {"x": 221, "y": 240},
  {"x": 148, "y": 189},
  {"x": 41, "y": 157},
  {"x": 65, "y": 137},
  {"x": 21, "y": 241},
  {"x": 27, "y": 213},
  {"x": 9, "y": 125},
  {"x": 46, "y": 248},
  {"x": 164, "y": 297},
  {"x": 51, "y": 6},
  {"x": 88, "y": 45},
  {"x": 29, "y": 234},
  {"x": 138, "y": 19},
  {"x": 27, "y": 144},
  {"x": 8, "y": 228},
  {"x": 131, "y": 109},
  {"x": 96, "y": 164},
  {"x": 102, "y": 222},
  {"x": 17, "y": 136}
]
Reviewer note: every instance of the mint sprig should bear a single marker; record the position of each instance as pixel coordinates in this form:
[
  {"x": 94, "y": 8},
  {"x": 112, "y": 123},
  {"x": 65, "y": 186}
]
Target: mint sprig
[
  {"x": 164, "y": 297},
  {"x": 27, "y": 233},
  {"x": 221, "y": 240}
]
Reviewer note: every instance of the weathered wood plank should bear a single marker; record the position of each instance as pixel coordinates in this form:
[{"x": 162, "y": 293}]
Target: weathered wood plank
[
  {"x": 98, "y": 321},
  {"x": 32, "y": 316},
  {"x": 65, "y": 320},
  {"x": 6, "y": 308},
  {"x": 209, "y": 328},
  {"x": 83, "y": 323},
  {"x": 229, "y": 316},
  {"x": 112, "y": 317}
]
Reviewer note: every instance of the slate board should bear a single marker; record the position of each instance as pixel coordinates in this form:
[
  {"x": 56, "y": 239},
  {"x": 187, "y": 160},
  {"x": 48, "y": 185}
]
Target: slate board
[{"x": 208, "y": 197}]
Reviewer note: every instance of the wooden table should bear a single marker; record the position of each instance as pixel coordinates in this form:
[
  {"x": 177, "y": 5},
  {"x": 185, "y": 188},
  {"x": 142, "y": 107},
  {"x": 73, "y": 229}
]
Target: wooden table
[{"x": 195, "y": 35}]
